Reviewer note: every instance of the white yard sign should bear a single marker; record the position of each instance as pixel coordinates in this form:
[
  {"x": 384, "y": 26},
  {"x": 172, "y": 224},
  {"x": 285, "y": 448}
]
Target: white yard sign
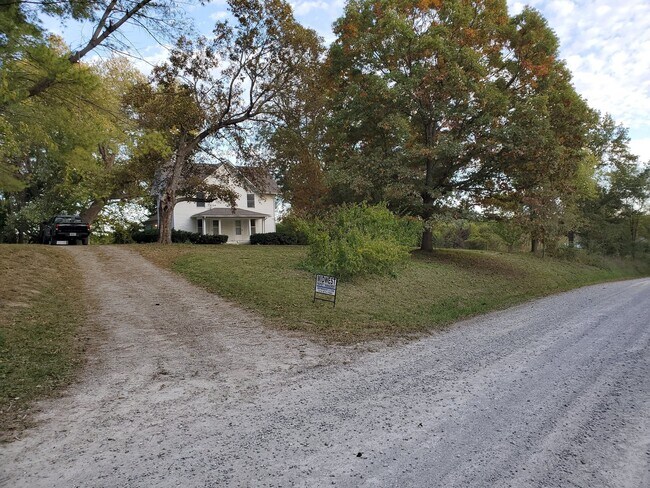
[{"x": 325, "y": 285}]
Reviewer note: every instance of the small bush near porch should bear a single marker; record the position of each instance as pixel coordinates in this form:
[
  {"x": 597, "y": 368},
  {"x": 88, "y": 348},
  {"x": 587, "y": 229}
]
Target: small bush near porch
[{"x": 178, "y": 236}]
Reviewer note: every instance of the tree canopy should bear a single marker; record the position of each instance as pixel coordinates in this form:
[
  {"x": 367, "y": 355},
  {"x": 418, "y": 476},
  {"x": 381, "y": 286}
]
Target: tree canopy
[{"x": 434, "y": 108}]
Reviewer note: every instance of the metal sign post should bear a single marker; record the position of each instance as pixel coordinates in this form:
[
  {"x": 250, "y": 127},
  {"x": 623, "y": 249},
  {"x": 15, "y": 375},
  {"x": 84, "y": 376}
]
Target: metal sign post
[{"x": 325, "y": 289}]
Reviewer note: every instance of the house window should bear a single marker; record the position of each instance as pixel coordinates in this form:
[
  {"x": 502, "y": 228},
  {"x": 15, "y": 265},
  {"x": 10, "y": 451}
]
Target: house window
[
  {"x": 200, "y": 199},
  {"x": 250, "y": 200},
  {"x": 238, "y": 227},
  {"x": 253, "y": 231},
  {"x": 215, "y": 227},
  {"x": 199, "y": 226}
]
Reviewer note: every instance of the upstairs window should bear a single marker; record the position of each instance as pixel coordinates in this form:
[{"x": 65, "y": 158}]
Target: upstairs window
[
  {"x": 200, "y": 199},
  {"x": 250, "y": 200}
]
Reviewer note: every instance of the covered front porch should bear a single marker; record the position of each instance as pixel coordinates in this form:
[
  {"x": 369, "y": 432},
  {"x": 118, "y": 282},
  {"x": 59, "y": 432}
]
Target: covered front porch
[{"x": 238, "y": 224}]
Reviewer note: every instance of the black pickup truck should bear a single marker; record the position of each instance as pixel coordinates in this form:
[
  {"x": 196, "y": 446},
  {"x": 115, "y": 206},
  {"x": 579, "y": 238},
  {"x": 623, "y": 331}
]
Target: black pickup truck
[{"x": 64, "y": 229}]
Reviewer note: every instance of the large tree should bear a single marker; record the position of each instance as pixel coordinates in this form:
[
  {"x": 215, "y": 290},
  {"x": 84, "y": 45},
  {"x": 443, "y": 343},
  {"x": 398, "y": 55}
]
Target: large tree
[
  {"x": 425, "y": 94},
  {"x": 211, "y": 90},
  {"x": 546, "y": 168},
  {"x": 25, "y": 39},
  {"x": 36, "y": 65},
  {"x": 295, "y": 144},
  {"x": 69, "y": 154},
  {"x": 610, "y": 219}
]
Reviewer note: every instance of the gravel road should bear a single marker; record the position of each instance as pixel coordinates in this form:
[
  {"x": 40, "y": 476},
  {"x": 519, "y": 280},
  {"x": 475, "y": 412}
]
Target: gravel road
[{"x": 184, "y": 389}]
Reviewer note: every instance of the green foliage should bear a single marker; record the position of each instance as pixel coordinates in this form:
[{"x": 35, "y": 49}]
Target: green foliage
[
  {"x": 611, "y": 217},
  {"x": 276, "y": 239},
  {"x": 67, "y": 155},
  {"x": 146, "y": 236},
  {"x": 195, "y": 238},
  {"x": 293, "y": 227},
  {"x": 510, "y": 233},
  {"x": 479, "y": 235},
  {"x": 360, "y": 239},
  {"x": 179, "y": 236},
  {"x": 436, "y": 99}
]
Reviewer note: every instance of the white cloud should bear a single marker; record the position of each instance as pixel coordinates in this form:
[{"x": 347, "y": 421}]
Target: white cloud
[
  {"x": 641, "y": 147},
  {"x": 516, "y": 8},
  {"x": 562, "y": 7},
  {"x": 151, "y": 57},
  {"x": 301, "y": 8},
  {"x": 217, "y": 16}
]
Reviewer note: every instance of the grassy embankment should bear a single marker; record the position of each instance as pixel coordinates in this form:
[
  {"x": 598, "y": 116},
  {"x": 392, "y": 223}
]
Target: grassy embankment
[
  {"x": 430, "y": 291},
  {"x": 41, "y": 310}
]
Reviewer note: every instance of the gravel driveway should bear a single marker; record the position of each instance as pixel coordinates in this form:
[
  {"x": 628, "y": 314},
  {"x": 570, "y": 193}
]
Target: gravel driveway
[{"x": 185, "y": 389}]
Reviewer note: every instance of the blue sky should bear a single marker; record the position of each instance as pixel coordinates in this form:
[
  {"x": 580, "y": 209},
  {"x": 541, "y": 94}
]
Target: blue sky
[{"x": 605, "y": 43}]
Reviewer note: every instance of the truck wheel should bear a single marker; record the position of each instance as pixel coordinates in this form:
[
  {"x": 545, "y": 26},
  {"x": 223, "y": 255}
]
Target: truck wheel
[{"x": 84, "y": 241}]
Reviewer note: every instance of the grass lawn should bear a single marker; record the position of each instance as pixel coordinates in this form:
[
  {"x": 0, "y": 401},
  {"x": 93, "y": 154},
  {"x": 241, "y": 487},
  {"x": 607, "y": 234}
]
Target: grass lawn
[
  {"x": 430, "y": 291},
  {"x": 41, "y": 310}
]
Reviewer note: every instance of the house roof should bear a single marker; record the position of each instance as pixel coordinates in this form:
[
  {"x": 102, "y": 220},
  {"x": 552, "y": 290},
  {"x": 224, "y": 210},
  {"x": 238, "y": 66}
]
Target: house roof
[
  {"x": 224, "y": 212},
  {"x": 256, "y": 177},
  {"x": 260, "y": 178}
]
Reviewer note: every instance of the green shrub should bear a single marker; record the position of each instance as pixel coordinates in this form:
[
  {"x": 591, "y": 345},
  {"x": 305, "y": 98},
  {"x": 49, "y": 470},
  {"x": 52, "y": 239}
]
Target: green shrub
[
  {"x": 207, "y": 239},
  {"x": 360, "y": 239},
  {"x": 183, "y": 236},
  {"x": 145, "y": 236},
  {"x": 278, "y": 239},
  {"x": 466, "y": 234},
  {"x": 292, "y": 228},
  {"x": 269, "y": 238},
  {"x": 179, "y": 236}
]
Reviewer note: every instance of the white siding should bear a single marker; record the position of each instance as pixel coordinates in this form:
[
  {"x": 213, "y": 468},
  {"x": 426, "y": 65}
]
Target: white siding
[{"x": 182, "y": 213}]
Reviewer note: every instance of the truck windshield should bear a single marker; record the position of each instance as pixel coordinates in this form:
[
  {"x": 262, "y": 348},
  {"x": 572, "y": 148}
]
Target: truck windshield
[{"x": 67, "y": 220}]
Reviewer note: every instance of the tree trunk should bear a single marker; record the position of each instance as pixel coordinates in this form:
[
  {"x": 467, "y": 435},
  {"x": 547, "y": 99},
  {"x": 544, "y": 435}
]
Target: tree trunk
[
  {"x": 533, "y": 244},
  {"x": 168, "y": 197},
  {"x": 634, "y": 232},
  {"x": 427, "y": 240},
  {"x": 571, "y": 236},
  {"x": 427, "y": 197},
  {"x": 90, "y": 214},
  {"x": 167, "y": 203}
]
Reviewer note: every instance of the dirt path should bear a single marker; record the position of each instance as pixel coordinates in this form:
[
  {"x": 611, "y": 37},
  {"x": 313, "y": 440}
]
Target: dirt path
[
  {"x": 169, "y": 352},
  {"x": 187, "y": 390}
]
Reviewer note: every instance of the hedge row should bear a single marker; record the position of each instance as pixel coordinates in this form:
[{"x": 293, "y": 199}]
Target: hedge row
[
  {"x": 278, "y": 239},
  {"x": 180, "y": 236}
]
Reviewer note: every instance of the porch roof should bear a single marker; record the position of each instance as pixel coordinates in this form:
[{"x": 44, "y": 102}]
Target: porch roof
[{"x": 227, "y": 212}]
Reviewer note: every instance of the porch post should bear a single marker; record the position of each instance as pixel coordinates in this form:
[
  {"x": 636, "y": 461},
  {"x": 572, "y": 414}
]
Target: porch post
[{"x": 203, "y": 226}]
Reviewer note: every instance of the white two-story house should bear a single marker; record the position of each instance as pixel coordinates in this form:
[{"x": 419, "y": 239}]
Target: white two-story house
[{"x": 254, "y": 210}]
